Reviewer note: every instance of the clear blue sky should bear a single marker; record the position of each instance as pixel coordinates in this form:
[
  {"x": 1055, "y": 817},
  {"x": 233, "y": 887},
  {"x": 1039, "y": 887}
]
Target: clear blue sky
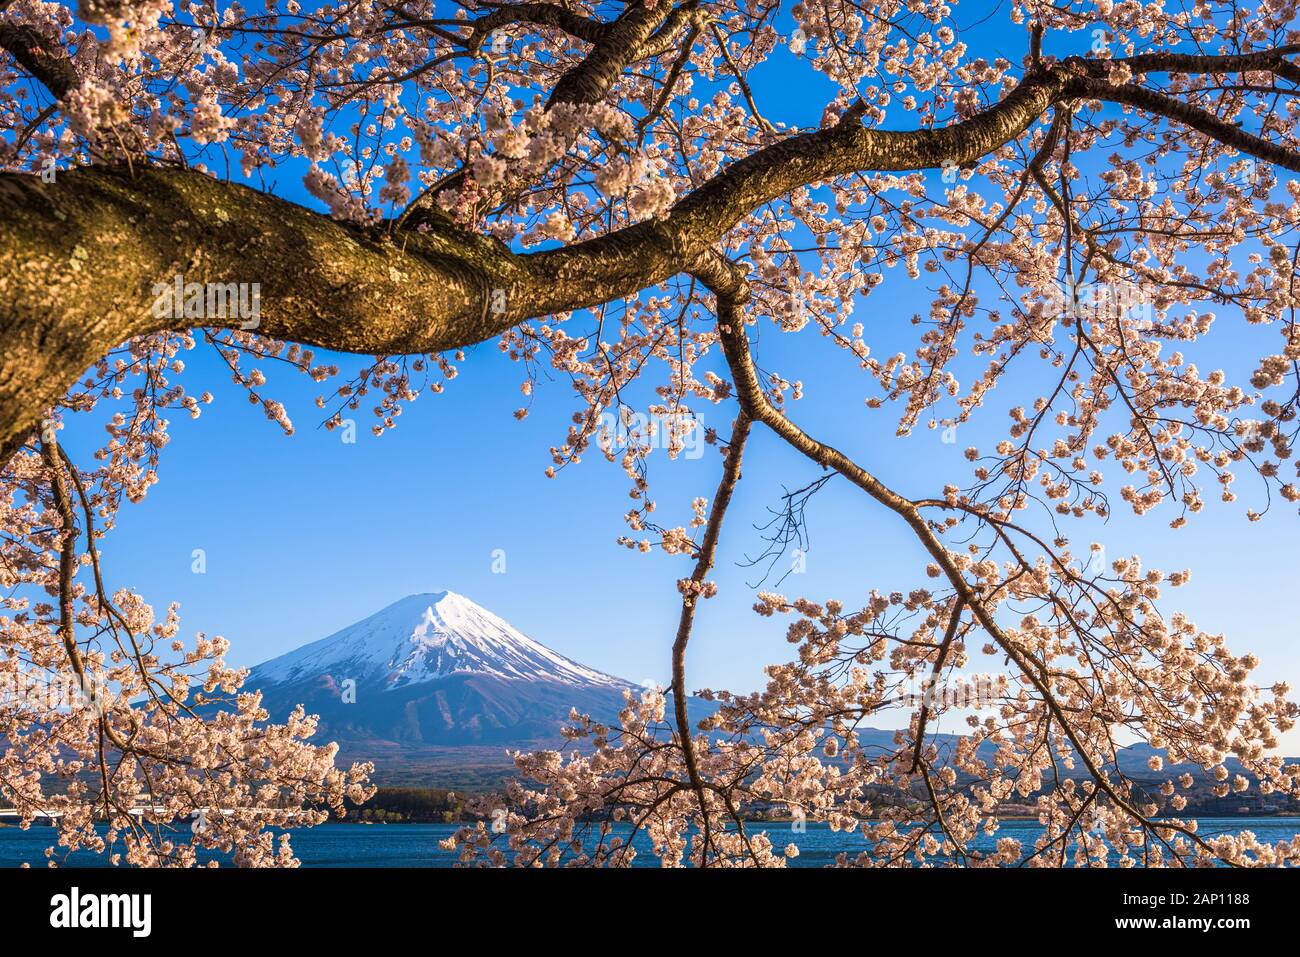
[{"x": 306, "y": 534}]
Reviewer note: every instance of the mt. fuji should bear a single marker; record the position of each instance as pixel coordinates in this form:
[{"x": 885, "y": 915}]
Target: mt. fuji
[
  {"x": 435, "y": 690},
  {"x": 426, "y": 637},
  {"x": 435, "y": 681}
]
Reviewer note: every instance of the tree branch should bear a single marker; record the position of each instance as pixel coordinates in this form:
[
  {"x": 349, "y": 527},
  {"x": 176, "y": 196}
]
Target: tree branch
[
  {"x": 32, "y": 51},
  {"x": 753, "y": 401},
  {"x": 78, "y": 262},
  {"x": 691, "y": 590},
  {"x": 1189, "y": 115}
]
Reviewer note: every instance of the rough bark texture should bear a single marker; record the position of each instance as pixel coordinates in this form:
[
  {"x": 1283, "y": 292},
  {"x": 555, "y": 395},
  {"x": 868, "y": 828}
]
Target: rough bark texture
[
  {"x": 81, "y": 258},
  {"x": 32, "y": 52}
]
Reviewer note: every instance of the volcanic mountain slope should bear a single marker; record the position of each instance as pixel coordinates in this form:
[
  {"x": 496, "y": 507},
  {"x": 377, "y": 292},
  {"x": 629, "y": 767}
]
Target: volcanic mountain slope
[
  {"x": 435, "y": 690},
  {"x": 433, "y": 679}
]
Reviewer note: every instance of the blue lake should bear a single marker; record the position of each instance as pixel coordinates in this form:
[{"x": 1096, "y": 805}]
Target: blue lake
[{"x": 416, "y": 845}]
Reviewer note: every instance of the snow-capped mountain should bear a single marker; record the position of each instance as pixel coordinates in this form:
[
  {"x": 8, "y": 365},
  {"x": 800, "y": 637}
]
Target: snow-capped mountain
[
  {"x": 432, "y": 682},
  {"x": 435, "y": 690},
  {"x": 426, "y": 637}
]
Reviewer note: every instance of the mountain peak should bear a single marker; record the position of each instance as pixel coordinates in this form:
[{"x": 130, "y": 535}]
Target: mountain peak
[{"x": 425, "y": 637}]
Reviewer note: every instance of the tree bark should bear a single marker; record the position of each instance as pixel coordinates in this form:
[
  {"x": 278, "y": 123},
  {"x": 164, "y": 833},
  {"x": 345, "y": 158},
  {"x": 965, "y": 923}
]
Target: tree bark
[{"x": 79, "y": 258}]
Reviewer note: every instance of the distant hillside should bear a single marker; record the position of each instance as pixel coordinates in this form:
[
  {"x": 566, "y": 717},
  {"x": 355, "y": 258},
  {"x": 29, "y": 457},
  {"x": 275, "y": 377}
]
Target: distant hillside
[{"x": 436, "y": 690}]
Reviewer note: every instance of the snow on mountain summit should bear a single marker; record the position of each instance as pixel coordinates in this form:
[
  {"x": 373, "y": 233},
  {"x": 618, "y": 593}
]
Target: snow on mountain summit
[{"x": 425, "y": 637}]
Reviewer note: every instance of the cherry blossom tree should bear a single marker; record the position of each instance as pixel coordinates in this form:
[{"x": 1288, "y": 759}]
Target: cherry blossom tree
[{"x": 600, "y": 188}]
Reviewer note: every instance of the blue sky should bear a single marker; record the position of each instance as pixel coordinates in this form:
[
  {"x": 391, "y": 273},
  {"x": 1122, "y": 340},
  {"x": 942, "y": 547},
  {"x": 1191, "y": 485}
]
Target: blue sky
[{"x": 305, "y": 534}]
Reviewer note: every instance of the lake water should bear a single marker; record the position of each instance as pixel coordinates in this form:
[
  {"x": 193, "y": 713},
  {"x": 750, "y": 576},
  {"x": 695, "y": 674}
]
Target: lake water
[{"x": 416, "y": 845}]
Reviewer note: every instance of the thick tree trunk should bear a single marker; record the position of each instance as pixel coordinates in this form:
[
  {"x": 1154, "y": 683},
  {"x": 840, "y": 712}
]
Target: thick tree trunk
[{"x": 81, "y": 257}]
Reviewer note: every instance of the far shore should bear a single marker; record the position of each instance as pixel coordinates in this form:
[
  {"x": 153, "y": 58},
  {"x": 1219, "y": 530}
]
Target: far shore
[{"x": 1278, "y": 815}]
